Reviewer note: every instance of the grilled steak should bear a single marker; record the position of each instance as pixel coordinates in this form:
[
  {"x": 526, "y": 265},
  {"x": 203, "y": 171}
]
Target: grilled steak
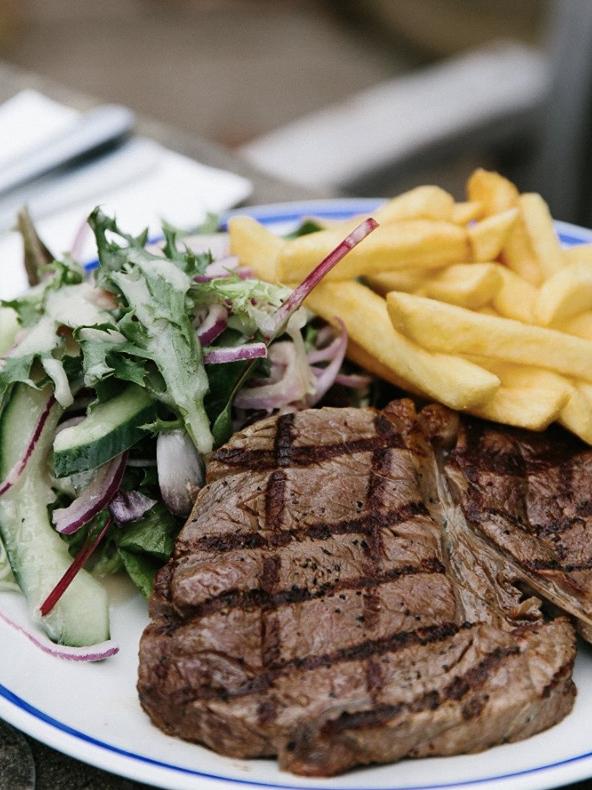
[
  {"x": 320, "y": 605},
  {"x": 529, "y": 496}
]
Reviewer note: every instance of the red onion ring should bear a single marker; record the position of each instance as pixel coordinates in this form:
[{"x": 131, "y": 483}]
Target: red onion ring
[
  {"x": 220, "y": 356},
  {"x": 96, "y": 496},
  {"x": 98, "y": 652}
]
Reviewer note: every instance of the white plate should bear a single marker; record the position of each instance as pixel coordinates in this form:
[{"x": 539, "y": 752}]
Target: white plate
[{"x": 91, "y": 711}]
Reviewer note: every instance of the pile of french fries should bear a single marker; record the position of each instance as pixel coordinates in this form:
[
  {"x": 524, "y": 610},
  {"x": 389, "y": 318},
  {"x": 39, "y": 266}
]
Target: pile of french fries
[{"x": 473, "y": 304}]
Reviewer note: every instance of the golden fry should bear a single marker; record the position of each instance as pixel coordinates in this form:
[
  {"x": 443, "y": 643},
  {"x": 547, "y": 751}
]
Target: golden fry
[
  {"x": 466, "y": 284},
  {"x": 454, "y": 381},
  {"x": 577, "y": 253},
  {"x": 489, "y": 236},
  {"x": 541, "y": 233},
  {"x": 516, "y": 298},
  {"x": 494, "y": 192},
  {"x": 576, "y": 415},
  {"x": 454, "y": 330},
  {"x": 580, "y": 325},
  {"x": 565, "y": 294},
  {"x": 469, "y": 285},
  {"x": 408, "y": 280},
  {"x": 399, "y": 245},
  {"x": 519, "y": 255},
  {"x": 466, "y": 212},
  {"x": 426, "y": 202},
  {"x": 534, "y": 408},
  {"x": 255, "y": 246}
]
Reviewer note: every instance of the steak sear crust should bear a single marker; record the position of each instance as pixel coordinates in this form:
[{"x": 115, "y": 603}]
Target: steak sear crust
[{"x": 326, "y": 604}]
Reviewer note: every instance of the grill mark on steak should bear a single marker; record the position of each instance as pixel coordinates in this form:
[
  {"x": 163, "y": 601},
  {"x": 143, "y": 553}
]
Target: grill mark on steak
[
  {"x": 257, "y": 598},
  {"x": 259, "y": 460},
  {"x": 275, "y": 500},
  {"x": 318, "y": 531},
  {"x": 460, "y": 686},
  {"x": 373, "y": 549},
  {"x": 363, "y": 651}
]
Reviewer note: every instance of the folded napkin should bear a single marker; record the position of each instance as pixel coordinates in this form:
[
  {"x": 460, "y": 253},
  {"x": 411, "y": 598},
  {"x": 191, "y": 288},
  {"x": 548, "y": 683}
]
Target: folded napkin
[{"x": 141, "y": 183}]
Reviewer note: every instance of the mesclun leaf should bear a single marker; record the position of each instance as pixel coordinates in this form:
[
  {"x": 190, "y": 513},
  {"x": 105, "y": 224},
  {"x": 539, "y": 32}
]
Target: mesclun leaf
[
  {"x": 36, "y": 254},
  {"x": 190, "y": 262},
  {"x": 112, "y": 256},
  {"x": 141, "y": 570},
  {"x": 155, "y": 291},
  {"x": 29, "y": 306},
  {"x": 251, "y": 302},
  {"x": 152, "y": 534}
]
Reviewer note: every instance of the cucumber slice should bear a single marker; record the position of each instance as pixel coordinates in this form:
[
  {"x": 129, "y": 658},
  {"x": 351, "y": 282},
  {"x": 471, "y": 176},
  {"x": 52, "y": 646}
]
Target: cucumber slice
[
  {"x": 111, "y": 428},
  {"x": 38, "y": 556}
]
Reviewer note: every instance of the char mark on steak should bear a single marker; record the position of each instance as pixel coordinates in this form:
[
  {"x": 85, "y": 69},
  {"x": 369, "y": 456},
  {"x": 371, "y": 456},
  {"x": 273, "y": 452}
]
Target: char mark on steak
[
  {"x": 326, "y": 603},
  {"x": 529, "y": 497}
]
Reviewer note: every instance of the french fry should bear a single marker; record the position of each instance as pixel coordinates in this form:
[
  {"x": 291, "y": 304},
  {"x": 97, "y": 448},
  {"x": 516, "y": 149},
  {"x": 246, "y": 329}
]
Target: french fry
[
  {"x": 518, "y": 254},
  {"x": 580, "y": 325},
  {"x": 452, "y": 380},
  {"x": 516, "y": 298},
  {"x": 365, "y": 360},
  {"x": 255, "y": 246},
  {"x": 466, "y": 284},
  {"x": 576, "y": 415},
  {"x": 455, "y": 330},
  {"x": 494, "y": 192},
  {"x": 463, "y": 213},
  {"x": 577, "y": 253},
  {"x": 532, "y": 249},
  {"x": 565, "y": 294},
  {"x": 489, "y": 236},
  {"x": 399, "y": 245},
  {"x": 426, "y": 202},
  {"x": 525, "y": 376},
  {"x": 534, "y": 407},
  {"x": 408, "y": 280},
  {"x": 487, "y": 309},
  {"x": 528, "y": 397},
  {"x": 541, "y": 233},
  {"x": 469, "y": 285}
]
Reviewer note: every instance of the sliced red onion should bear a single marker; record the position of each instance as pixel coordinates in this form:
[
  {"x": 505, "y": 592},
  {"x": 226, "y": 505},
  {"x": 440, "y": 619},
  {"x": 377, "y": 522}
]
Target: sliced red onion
[
  {"x": 299, "y": 294},
  {"x": 356, "y": 381},
  {"x": 79, "y": 562},
  {"x": 94, "y": 498},
  {"x": 326, "y": 377},
  {"x": 213, "y": 324},
  {"x": 129, "y": 506},
  {"x": 219, "y": 356},
  {"x": 98, "y": 652},
  {"x": 279, "y": 393},
  {"x": 12, "y": 477},
  {"x": 326, "y": 353},
  {"x": 180, "y": 471}
]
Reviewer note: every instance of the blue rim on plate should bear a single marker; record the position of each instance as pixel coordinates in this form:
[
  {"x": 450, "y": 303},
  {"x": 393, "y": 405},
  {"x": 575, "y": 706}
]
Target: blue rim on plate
[{"x": 276, "y": 215}]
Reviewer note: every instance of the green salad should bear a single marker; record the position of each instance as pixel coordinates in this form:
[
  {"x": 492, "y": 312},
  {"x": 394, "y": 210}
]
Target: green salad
[{"x": 115, "y": 385}]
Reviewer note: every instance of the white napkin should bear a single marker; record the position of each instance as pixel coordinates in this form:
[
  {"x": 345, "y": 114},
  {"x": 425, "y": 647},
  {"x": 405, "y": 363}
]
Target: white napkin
[{"x": 141, "y": 184}]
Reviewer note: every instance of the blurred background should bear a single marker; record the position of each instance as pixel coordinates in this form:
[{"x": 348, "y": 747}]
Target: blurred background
[{"x": 357, "y": 96}]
